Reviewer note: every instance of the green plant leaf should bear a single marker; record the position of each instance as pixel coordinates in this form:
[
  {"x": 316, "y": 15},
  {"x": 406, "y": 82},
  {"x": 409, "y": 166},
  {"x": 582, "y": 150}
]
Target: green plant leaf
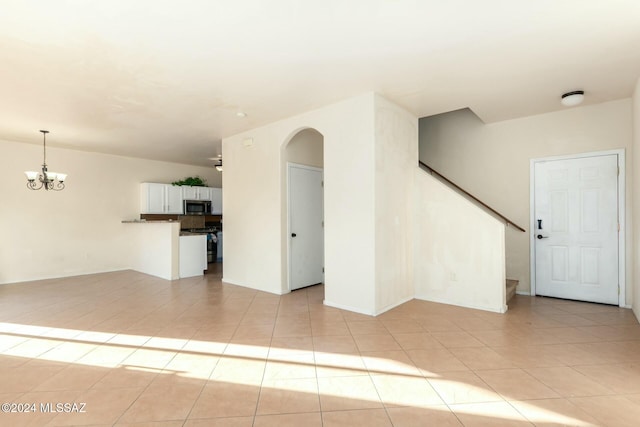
[{"x": 194, "y": 181}]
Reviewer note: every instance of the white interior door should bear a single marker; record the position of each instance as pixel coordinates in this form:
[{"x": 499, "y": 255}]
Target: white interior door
[
  {"x": 576, "y": 228},
  {"x": 306, "y": 231}
]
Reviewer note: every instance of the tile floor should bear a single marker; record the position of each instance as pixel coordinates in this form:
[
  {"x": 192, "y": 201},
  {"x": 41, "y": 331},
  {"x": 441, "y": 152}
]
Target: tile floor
[{"x": 140, "y": 351}]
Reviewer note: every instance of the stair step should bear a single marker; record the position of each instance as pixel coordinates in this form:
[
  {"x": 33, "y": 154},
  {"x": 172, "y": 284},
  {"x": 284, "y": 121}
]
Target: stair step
[{"x": 511, "y": 288}]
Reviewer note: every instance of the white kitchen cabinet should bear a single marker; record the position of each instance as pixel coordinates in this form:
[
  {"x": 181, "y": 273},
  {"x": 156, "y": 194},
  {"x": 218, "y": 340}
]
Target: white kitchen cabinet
[
  {"x": 174, "y": 200},
  {"x": 216, "y": 201},
  {"x": 189, "y": 193},
  {"x": 204, "y": 193},
  {"x": 160, "y": 199},
  {"x": 196, "y": 193}
]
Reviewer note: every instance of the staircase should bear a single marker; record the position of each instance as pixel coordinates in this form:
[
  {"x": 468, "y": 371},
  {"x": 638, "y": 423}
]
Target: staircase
[
  {"x": 511, "y": 288},
  {"x": 435, "y": 217}
]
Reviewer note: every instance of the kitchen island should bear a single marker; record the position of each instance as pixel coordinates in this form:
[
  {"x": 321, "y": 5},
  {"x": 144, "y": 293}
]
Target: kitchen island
[{"x": 160, "y": 250}]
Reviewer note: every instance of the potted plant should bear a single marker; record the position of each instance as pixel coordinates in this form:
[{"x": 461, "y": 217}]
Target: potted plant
[{"x": 193, "y": 181}]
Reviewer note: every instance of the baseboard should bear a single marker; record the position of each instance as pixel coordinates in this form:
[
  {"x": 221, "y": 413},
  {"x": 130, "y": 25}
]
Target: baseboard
[
  {"x": 526, "y": 294},
  {"x": 238, "y": 283},
  {"x": 232, "y": 282},
  {"x": 500, "y": 310},
  {"x": 392, "y": 306},
  {"x": 348, "y": 308},
  {"x": 375, "y": 313},
  {"x": 64, "y": 276}
]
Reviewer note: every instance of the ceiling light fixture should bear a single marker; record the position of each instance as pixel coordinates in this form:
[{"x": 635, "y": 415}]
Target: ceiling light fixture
[
  {"x": 571, "y": 99},
  {"x": 241, "y": 114},
  {"x": 47, "y": 180}
]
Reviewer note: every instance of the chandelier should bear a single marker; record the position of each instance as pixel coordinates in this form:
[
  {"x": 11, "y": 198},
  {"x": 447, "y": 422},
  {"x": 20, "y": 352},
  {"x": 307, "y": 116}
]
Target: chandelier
[{"x": 47, "y": 180}]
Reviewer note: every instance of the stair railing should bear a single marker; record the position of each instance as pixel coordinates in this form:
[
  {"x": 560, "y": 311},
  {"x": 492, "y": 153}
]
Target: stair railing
[{"x": 461, "y": 190}]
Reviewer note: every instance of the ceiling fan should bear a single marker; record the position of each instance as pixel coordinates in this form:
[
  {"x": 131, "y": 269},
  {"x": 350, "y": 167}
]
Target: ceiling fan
[{"x": 219, "y": 165}]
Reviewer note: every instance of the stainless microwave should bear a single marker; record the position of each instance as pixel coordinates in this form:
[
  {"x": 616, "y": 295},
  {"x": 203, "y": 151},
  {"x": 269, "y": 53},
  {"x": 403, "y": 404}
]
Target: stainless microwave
[{"x": 197, "y": 207}]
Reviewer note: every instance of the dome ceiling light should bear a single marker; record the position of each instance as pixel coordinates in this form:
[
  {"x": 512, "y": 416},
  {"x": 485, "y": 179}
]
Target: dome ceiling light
[{"x": 571, "y": 99}]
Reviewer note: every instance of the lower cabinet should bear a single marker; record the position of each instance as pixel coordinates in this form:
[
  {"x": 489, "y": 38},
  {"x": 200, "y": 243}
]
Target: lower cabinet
[{"x": 193, "y": 255}]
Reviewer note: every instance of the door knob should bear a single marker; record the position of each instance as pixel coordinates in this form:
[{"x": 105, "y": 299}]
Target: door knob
[
  {"x": 540, "y": 236},
  {"x": 293, "y": 234}
]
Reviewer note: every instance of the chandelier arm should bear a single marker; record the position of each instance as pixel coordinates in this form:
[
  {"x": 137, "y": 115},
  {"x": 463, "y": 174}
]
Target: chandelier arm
[{"x": 33, "y": 185}]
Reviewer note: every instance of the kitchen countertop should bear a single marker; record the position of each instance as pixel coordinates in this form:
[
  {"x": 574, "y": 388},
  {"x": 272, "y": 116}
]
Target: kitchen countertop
[
  {"x": 185, "y": 232},
  {"x": 142, "y": 221},
  {"x": 188, "y": 233}
]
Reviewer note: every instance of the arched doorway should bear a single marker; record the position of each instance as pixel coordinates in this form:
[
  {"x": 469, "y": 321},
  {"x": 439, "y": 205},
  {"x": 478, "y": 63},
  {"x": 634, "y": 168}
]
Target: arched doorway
[{"x": 304, "y": 218}]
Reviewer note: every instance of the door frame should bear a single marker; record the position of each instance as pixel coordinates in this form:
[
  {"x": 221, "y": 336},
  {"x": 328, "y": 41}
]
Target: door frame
[
  {"x": 313, "y": 168},
  {"x": 621, "y": 216}
]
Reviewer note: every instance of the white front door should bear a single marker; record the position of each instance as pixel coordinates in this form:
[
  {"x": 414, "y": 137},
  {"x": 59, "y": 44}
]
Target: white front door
[
  {"x": 576, "y": 228},
  {"x": 306, "y": 231}
]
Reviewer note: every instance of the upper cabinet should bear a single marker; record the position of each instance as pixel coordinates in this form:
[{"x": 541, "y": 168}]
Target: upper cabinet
[
  {"x": 168, "y": 199},
  {"x": 174, "y": 200},
  {"x": 160, "y": 199},
  {"x": 205, "y": 193},
  {"x": 196, "y": 193},
  {"x": 216, "y": 201}
]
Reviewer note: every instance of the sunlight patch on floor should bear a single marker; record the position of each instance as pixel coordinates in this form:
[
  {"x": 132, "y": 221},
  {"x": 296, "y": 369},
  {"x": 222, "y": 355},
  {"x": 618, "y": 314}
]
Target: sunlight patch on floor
[{"x": 338, "y": 377}]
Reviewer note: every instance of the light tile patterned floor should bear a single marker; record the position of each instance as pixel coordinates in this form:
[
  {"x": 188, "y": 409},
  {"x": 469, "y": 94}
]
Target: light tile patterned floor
[{"x": 195, "y": 352}]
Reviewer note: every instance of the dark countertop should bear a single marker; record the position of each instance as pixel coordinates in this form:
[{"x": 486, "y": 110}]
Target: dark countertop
[
  {"x": 188, "y": 233},
  {"x": 143, "y": 221}
]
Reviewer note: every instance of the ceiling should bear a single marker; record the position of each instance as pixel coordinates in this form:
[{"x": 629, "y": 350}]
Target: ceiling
[{"x": 165, "y": 79}]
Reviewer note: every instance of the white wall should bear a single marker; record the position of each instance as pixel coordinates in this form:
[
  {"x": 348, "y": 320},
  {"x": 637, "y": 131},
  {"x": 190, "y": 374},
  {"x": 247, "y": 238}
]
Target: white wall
[
  {"x": 492, "y": 161},
  {"x": 254, "y": 203},
  {"x": 77, "y": 230},
  {"x": 396, "y": 152},
  {"x": 460, "y": 251},
  {"x": 634, "y": 224},
  {"x": 370, "y": 162}
]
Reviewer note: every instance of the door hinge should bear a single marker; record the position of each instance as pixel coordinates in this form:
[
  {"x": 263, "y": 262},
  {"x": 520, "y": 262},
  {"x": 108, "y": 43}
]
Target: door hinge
[
  {"x": 618, "y": 227},
  {"x": 618, "y": 170},
  {"x": 321, "y": 183},
  {"x": 323, "y": 223},
  {"x": 323, "y": 272},
  {"x": 618, "y": 289}
]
